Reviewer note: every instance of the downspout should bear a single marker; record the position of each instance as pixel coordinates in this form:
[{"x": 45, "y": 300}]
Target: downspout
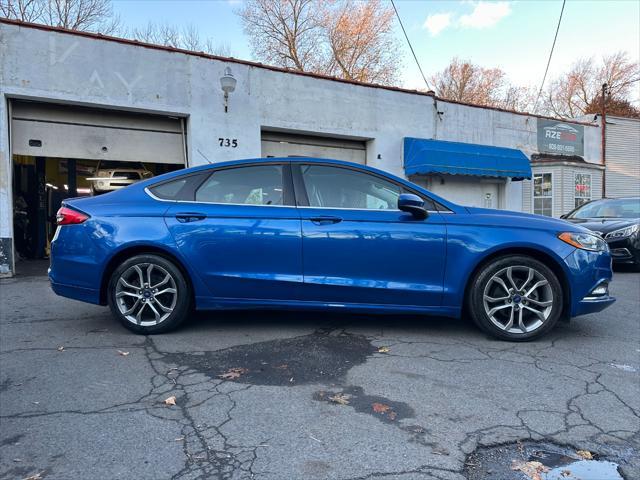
[{"x": 603, "y": 132}]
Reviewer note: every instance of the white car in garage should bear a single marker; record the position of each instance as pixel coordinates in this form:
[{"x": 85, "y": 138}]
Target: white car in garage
[{"x": 112, "y": 175}]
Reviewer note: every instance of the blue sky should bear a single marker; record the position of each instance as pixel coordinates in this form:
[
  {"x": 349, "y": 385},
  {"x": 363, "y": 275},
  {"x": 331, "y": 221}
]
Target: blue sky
[{"x": 513, "y": 35}]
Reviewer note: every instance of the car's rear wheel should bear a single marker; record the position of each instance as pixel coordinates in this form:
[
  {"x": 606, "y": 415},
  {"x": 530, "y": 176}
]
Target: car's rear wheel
[
  {"x": 149, "y": 294},
  {"x": 516, "y": 298}
]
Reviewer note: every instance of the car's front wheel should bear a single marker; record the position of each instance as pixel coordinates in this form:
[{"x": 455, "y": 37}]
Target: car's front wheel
[
  {"x": 515, "y": 298},
  {"x": 149, "y": 294}
]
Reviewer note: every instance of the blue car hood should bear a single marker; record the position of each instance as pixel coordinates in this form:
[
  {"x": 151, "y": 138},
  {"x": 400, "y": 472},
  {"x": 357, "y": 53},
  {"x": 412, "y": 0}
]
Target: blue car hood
[{"x": 508, "y": 217}]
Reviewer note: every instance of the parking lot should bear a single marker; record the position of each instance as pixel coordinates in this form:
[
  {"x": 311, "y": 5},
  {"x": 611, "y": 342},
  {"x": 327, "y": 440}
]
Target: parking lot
[{"x": 275, "y": 395}]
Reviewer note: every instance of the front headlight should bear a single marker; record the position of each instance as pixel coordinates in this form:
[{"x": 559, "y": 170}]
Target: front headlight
[
  {"x": 585, "y": 241},
  {"x": 622, "y": 232}
]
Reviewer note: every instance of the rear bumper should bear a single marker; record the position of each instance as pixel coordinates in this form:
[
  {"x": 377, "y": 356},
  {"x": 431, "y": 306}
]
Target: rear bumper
[{"x": 77, "y": 293}]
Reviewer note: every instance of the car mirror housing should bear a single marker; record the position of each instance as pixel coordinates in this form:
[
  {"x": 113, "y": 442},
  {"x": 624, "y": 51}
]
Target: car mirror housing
[{"x": 413, "y": 204}]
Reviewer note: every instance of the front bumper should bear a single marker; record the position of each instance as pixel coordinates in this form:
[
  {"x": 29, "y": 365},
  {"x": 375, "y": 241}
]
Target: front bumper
[
  {"x": 587, "y": 271},
  {"x": 626, "y": 250}
]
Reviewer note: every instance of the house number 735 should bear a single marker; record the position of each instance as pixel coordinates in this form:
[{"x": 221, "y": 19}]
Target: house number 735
[{"x": 228, "y": 142}]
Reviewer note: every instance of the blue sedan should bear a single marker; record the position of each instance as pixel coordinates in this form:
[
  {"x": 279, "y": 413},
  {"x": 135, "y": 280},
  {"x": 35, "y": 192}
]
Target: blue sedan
[{"x": 301, "y": 233}]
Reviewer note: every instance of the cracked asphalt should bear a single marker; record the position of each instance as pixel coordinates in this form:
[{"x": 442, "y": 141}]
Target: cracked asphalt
[{"x": 73, "y": 406}]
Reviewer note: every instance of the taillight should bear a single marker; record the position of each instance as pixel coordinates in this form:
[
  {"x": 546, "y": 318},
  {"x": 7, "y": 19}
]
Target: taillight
[{"x": 68, "y": 216}]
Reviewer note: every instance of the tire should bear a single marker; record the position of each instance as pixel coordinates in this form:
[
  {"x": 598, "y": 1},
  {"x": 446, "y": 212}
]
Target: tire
[
  {"x": 149, "y": 294},
  {"x": 492, "y": 298}
]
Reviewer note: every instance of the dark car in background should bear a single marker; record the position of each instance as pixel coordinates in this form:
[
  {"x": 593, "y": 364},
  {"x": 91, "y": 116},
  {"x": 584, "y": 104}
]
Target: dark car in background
[{"x": 617, "y": 220}]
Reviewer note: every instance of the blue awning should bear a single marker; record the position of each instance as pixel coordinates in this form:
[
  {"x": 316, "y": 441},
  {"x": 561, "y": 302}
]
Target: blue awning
[{"x": 422, "y": 156}]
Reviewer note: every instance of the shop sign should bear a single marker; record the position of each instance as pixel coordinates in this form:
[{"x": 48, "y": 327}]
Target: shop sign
[{"x": 560, "y": 138}]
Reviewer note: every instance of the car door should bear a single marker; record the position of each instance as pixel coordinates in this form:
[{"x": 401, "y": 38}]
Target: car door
[
  {"x": 241, "y": 232},
  {"x": 358, "y": 247}
]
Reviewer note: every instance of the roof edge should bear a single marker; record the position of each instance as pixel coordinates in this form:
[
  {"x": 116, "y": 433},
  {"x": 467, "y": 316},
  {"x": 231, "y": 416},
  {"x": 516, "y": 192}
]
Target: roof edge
[{"x": 153, "y": 46}]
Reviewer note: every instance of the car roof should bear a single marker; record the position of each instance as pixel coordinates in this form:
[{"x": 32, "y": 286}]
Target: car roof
[{"x": 210, "y": 166}]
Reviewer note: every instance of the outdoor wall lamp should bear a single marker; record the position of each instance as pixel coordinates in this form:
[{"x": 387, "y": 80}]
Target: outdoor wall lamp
[{"x": 228, "y": 85}]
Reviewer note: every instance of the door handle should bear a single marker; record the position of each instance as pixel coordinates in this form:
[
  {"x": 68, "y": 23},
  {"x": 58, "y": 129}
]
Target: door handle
[
  {"x": 325, "y": 220},
  {"x": 190, "y": 217}
]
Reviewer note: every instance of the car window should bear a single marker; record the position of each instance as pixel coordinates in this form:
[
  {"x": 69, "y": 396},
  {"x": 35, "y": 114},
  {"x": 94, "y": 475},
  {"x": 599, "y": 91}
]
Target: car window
[
  {"x": 169, "y": 190},
  {"x": 336, "y": 187},
  {"x": 251, "y": 185},
  {"x": 614, "y": 208}
]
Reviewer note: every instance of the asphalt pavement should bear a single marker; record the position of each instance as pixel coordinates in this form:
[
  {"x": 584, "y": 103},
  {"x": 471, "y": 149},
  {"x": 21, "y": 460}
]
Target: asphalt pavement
[{"x": 299, "y": 395}]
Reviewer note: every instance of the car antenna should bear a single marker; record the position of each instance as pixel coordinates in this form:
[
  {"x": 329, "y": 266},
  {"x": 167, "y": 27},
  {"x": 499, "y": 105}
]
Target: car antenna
[{"x": 203, "y": 155}]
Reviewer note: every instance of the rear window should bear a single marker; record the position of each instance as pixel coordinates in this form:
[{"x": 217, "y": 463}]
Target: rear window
[
  {"x": 169, "y": 190},
  {"x": 181, "y": 188}
]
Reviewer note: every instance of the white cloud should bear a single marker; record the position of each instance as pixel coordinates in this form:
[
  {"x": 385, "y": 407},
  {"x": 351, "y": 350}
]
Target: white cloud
[
  {"x": 486, "y": 14},
  {"x": 436, "y": 23}
]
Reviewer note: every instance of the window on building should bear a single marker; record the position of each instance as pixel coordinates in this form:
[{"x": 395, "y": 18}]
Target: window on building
[
  {"x": 543, "y": 194},
  {"x": 582, "y": 191},
  {"x": 252, "y": 185}
]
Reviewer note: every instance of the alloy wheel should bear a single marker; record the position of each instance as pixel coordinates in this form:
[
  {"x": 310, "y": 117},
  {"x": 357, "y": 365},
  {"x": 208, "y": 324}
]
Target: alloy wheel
[
  {"x": 518, "y": 299},
  {"x": 146, "y": 294}
]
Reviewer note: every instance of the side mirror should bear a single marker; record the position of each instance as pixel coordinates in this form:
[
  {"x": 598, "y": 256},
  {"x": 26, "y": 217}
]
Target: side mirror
[{"x": 413, "y": 204}]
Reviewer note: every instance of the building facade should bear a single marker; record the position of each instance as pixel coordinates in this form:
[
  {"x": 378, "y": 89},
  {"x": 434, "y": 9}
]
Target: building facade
[
  {"x": 69, "y": 100},
  {"x": 622, "y": 157}
]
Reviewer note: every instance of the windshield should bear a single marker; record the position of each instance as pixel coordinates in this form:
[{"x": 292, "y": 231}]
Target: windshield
[{"x": 620, "y": 208}]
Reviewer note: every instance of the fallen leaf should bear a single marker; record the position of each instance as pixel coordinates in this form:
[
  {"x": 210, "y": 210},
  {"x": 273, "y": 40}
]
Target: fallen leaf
[
  {"x": 380, "y": 407},
  {"x": 284, "y": 366},
  {"x": 233, "y": 373},
  {"x": 170, "y": 401},
  {"x": 341, "y": 398},
  {"x": 124, "y": 354},
  {"x": 35, "y": 476},
  {"x": 61, "y": 348},
  {"x": 586, "y": 454},
  {"x": 384, "y": 350},
  {"x": 532, "y": 469}
]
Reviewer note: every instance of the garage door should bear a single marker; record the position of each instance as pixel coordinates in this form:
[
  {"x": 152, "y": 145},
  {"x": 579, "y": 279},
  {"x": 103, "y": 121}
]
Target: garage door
[
  {"x": 275, "y": 144},
  {"x": 48, "y": 130}
]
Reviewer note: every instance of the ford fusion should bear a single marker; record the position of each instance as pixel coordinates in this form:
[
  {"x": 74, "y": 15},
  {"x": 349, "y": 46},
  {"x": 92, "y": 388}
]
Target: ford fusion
[{"x": 301, "y": 233}]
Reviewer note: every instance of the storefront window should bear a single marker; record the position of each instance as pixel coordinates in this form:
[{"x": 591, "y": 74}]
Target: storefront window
[
  {"x": 543, "y": 194},
  {"x": 582, "y": 192}
]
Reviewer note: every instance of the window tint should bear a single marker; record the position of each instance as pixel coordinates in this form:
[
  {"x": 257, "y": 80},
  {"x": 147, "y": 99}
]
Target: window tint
[
  {"x": 169, "y": 190},
  {"x": 253, "y": 185},
  {"x": 335, "y": 187}
]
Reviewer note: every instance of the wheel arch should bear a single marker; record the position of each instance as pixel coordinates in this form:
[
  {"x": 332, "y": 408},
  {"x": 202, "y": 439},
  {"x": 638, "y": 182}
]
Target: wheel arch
[
  {"x": 133, "y": 250},
  {"x": 540, "y": 255}
]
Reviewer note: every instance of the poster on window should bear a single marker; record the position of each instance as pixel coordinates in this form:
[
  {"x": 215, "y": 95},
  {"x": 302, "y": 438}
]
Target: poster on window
[
  {"x": 582, "y": 192},
  {"x": 560, "y": 138}
]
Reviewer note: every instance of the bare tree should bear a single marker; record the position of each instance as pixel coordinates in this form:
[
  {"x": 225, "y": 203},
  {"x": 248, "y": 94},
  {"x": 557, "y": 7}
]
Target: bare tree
[
  {"x": 464, "y": 81},
  {"x": 25, "y": 10},
  {"x": 360, "y": 35},
  {"x": 187, "y": 38},
  {"x": 86, "y": 15},
  {"x": 351, "y": 39},
  {"x": 576, "y": 92},
  {"x": 287, "y": 33}
]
